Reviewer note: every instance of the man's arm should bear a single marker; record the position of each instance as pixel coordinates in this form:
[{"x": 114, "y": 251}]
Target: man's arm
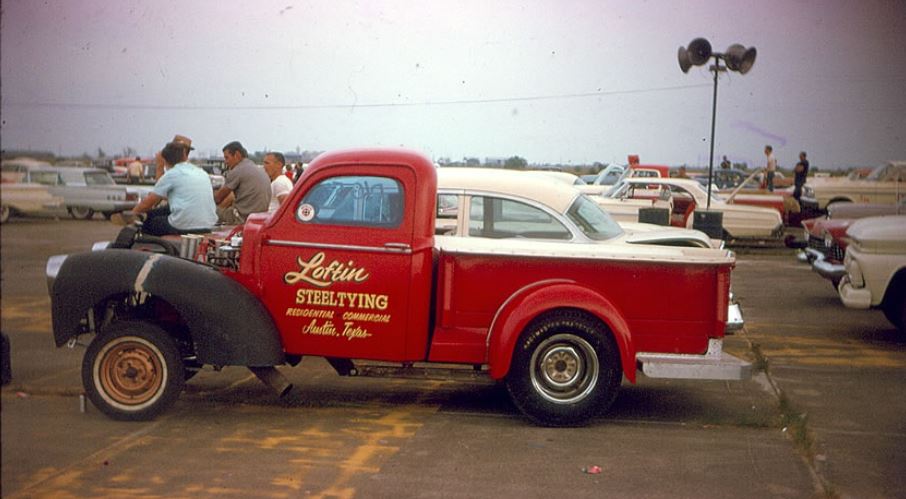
[
  {"x": 222, "y": 194},
  {"x": 146, "y": 204}
]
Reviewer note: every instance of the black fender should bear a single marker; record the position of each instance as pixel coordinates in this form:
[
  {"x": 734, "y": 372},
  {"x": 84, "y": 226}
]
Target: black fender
[{"x": 227, "y": 323}]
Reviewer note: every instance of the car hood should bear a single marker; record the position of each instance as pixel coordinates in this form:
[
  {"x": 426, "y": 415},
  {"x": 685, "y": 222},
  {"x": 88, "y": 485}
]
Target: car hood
[{"x": 886, "y": 234}]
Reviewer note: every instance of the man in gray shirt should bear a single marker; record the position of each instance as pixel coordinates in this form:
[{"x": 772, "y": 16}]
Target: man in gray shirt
[{"x": 246, "y": 181}]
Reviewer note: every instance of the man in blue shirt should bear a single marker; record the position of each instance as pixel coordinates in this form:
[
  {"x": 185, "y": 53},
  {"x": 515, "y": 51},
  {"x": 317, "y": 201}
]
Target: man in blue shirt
[{"x": 186, "y": 188}]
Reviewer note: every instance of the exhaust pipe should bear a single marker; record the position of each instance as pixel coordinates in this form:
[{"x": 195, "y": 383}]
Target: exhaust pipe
[{"x": 273, "y": 379}]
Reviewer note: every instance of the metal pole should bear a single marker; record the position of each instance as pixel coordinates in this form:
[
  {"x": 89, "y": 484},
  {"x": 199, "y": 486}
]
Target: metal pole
[{"x": 716, "y": 69}]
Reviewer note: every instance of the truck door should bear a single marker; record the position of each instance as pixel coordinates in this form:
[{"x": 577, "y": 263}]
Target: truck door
[{"x": 339, "y": 264}]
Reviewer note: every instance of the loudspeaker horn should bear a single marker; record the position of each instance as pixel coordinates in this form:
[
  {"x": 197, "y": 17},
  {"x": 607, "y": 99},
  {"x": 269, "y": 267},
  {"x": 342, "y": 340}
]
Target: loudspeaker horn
[
  {"x": 699, "y": 51},
  {"x": 683, "y": 57},
  {"x": 739, "y": 58}
]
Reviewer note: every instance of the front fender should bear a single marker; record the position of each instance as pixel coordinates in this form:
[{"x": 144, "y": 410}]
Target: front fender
[
  {"x": 228, "y": 325},
  {"x": 527, "y": 303}
]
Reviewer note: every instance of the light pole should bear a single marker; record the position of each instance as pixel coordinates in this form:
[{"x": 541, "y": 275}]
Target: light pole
[{"x": 737, "y": 58}]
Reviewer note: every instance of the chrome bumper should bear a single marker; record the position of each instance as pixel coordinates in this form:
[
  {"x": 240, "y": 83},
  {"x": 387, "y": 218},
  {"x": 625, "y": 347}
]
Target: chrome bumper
[
  {"x": 827, "y": 270},
  {"x": 715, "y": 364},
  {"x": 735, "y": 322}
]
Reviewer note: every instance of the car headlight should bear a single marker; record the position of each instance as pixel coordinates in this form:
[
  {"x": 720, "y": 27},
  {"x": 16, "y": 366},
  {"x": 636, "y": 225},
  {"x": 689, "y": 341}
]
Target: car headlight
[{"x": 854, "y": 270}]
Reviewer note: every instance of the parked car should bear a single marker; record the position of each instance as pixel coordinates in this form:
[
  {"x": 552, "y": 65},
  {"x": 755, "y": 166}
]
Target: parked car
[
  {"x": 824, "y": 236},
  {"x": 682, "y": 197},
  {"x": 537, "y": 199},
  {"x": 886, "y": 184},
  {"x": 84, "y": 190},
  {"x": 875, "y": 265},
  {"x": 25, "y": 199}
]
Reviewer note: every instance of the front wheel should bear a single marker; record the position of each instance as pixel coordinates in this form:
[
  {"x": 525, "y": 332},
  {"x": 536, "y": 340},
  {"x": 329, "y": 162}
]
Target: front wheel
[
  {"x": 894, "y": 308},
  {"x": 565, "y": 370},
  {"x": 133, "y": 371},
  {"x": 5, "y": 212},
  {"x": 80, "y": 212}
]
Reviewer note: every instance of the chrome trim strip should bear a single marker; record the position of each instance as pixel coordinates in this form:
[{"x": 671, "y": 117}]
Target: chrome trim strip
[{"x": 346, "y": 247}]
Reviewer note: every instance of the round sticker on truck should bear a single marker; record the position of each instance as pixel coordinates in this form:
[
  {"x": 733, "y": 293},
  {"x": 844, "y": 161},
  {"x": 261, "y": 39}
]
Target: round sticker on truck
[{"x": 306, "y": 212}]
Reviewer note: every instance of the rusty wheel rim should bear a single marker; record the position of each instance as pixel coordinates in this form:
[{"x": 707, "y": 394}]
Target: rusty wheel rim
[{"x": 131, "y": 372}]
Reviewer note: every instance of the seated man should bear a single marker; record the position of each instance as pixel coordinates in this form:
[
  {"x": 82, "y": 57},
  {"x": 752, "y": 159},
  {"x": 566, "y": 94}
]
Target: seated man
[
  {"x": 281, "y": 185},
  {"x": 246, "y": 182},
  {"x": 187, "y": 189}
]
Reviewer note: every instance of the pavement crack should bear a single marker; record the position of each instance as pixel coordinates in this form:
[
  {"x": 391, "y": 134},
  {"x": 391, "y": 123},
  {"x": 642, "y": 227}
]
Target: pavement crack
[{"x": 794, "y": 422}]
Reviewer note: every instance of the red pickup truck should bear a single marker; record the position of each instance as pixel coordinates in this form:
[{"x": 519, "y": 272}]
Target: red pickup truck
[{"x": 540, "y": 290}]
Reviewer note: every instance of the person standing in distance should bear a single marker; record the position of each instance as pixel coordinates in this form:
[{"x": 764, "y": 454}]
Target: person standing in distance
[
  {"x": 770, "y": 167},
  {"x": 800, "y": 172},
  {"x": 281, "y": 185},
  {"x": 246, "y": 181}
]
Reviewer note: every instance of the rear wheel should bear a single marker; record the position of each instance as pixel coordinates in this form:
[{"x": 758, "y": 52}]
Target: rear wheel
[
  {"x": 133, "y": 371},
  {"x": 565, "y": 369},
  {"x": 80, "y": 212},
  {"x": 4, "y": 214}
]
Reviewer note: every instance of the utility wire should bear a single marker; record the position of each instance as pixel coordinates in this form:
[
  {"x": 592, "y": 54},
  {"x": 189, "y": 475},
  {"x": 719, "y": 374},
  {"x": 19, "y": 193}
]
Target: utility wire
[{"x": 172, "y": 107}]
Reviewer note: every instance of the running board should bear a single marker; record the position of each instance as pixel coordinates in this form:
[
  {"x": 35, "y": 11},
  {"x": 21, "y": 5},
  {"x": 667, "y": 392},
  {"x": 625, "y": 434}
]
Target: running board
[{"x": 715, "y": 364}]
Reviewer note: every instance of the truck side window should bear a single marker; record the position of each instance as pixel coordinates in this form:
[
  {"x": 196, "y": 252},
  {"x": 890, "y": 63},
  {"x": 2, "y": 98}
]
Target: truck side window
[
  {"x": 353, "y": 200},
  {"x": 503, "y": 218}
]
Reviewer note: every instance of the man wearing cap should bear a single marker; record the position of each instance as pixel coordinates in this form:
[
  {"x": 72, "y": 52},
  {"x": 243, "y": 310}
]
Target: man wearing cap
[
  {"x": 186, "y": 188},
  {"x": 246, "y": 181}
]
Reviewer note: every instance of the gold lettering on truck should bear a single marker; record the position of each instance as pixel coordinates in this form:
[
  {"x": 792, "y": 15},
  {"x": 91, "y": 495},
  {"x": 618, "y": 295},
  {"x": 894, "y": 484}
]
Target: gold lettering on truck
[{"x": 317, "y": 274}]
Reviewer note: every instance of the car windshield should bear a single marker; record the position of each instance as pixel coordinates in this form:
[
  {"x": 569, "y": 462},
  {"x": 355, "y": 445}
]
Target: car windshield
[
  {"x": 98, "y": 178},
  {"x": 45, "y": 177},
  {"x": 594, "y": 222}
]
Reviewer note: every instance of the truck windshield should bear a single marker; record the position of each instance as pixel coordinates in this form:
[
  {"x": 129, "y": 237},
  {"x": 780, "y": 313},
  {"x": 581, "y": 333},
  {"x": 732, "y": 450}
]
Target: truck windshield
[{"x": 594, "y": 222}]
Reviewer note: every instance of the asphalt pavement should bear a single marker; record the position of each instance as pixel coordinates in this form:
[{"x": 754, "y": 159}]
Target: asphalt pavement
[{"x": 823, "y": 420}]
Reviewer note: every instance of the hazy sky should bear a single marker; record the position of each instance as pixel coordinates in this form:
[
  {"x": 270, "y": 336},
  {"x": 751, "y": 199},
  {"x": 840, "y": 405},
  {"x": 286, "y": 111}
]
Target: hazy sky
[{"x": 551, "y": 81}]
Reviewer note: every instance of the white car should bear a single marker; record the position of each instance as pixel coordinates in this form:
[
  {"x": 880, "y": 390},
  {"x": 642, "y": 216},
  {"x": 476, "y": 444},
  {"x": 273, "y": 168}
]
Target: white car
[
  {"x": 875, "y": 265},
  {"x": 526, "y": 191},
  {"x": 886, "y": 184},
  {"x": 684, "y": 196}
]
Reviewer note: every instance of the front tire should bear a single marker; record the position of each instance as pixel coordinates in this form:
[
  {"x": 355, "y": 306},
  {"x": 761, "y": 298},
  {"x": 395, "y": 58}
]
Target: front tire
[
  {"x": 565, "y": 369},
  {"x": 5, "y": 213},
  {"x": 894, "y": 308},
  {"x": 133, "y": 371},
  {"x": 80, "y": 212}
]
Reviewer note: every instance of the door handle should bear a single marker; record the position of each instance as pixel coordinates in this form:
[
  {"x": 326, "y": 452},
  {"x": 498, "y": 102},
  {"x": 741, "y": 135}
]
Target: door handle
[{"x": 398, "y": 246}]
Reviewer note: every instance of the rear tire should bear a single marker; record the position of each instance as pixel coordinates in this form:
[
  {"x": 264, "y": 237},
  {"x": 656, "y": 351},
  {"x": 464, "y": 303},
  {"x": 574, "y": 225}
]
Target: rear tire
[
  {"x": 133, "y": 371},
  {"x": 565, "y": 369},
  {"x": 80, "y": 212},
  {"x": 5, "y": 212}
]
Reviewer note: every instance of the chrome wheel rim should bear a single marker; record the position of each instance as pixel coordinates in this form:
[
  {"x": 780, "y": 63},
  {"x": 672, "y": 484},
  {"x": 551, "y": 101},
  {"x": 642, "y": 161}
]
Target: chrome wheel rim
[{"x": 564, "y": 369}]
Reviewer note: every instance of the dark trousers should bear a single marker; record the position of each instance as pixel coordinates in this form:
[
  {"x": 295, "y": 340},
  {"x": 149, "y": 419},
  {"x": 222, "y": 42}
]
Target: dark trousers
[
  {"x": 157, "y": 223},
  {"x": 770, "y": 181}
]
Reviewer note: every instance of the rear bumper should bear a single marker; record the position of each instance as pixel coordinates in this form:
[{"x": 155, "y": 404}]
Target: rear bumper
[
  {"x": 735, "y": 322},
  {"x": 714, "y": 364}
]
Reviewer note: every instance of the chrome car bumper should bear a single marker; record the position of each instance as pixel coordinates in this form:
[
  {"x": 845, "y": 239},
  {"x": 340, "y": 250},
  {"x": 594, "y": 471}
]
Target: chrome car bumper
[
  {"x": 735, "y": 322},
  {"x": 828, "y": 270},
  {"x": 715, "y": 364}
]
